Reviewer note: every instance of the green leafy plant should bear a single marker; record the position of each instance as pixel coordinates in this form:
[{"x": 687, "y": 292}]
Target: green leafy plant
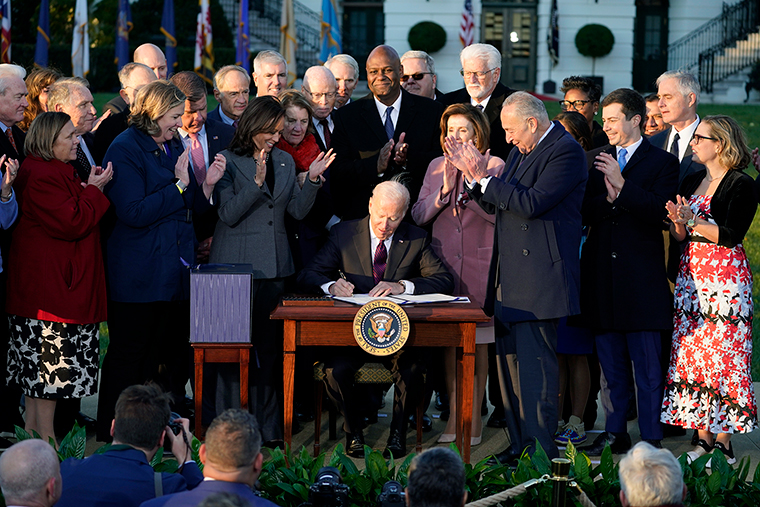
[
  {"x": 594, "y": 41},
  {"x": 427, "y": 36}
]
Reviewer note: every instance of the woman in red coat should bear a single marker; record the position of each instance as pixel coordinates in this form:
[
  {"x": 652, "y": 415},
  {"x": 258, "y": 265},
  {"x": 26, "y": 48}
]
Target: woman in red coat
[{"x": 56, "y": 280}]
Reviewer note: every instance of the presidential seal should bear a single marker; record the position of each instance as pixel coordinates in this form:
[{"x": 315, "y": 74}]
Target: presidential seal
[{"x": 381, "y": 327}]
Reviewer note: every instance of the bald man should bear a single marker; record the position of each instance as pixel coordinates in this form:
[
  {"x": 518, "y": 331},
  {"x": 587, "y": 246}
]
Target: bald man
[
  {"x": 387, "y": 133},
  {"x": 30, "y": 474},
  {"x": 321, "y": 90},
  {"x": 152, "y": 56}
]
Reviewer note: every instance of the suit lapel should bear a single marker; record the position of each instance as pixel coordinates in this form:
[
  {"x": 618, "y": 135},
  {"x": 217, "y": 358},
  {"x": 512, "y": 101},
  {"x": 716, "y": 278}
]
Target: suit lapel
[
  {"x": 405, "y": 114},
  {"x": 281, "y": 177},
  {"x": 373, "y": 119},
  {"x": 363, "y": 247},
  {"x": 399, "y": 247},
  {"x": 552, "y": 136},
  {"x": 637, "y": 156}
]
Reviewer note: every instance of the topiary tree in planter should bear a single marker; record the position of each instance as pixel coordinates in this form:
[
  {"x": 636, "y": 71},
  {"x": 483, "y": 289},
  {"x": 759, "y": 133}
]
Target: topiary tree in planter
[
  {"x": 427, "y": 36},
  {"x": 594, "y": 41}
]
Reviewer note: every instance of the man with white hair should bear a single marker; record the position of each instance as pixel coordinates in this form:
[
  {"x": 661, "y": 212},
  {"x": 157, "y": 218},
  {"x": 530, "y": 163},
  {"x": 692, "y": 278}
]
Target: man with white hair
[
  {"x": 534, "y": 278},
  {"x": 30, "y": 475},
  {"x": 481, "y": 69},
  {"x": 270, "y": 73},
  {"x": 678, "y": 92},
  {"x": 346, "y": 72},
  {"x": 379, "y": 255},
  {"x": 419, "y": 75},
  {"x": 320, "y": 89},
  {"x": 132, "y": 77},
  {"x": 12, "y": 104},
  {"x": 72, "y": 96},
  {"x": 651, "y": 477},
  {"x": 232, "y": 89}
]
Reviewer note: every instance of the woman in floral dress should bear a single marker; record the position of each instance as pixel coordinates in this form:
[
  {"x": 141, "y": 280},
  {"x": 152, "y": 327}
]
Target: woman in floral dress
[{"x": 709, "y": 385}]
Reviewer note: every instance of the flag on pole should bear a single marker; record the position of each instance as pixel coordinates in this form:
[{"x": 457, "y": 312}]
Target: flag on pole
[
  {"x": 243, "y": 55},
  {"x": 80, "y": 44},
  {"x": 553, "y": 38},
  {"x": 204, "y": 46},
  {"x": 123, "y": 27},
  {"x": 331, "y": 42},
  {"x": 467, "y": 26},
  {"x": 43, "y": 35},
  {"x": 5, "y": 47},
  {"x": 288, "y": 41},
  {"x": 167, "y": 28}
]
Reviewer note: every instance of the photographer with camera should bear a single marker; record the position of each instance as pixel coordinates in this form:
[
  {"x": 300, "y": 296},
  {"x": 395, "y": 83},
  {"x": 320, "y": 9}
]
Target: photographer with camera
[
  {"x": 436, "y": 479},
  {"x": 232, "y": 460},
  {"x": 122, "y": 475}
]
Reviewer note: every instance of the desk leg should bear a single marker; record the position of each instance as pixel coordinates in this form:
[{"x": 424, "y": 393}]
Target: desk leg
[
  {"x": 199, "y": 359},
  {"x": 245, "y": 357},
  {"x": 464, "y": 398},
  {"x": 289, "y": 364}
]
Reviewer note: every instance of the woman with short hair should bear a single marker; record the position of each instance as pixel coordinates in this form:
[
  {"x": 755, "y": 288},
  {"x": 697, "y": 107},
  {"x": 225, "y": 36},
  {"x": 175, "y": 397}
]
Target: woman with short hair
[
  {"x": 56, "y": 281},
  {"x": 154, "y": 199}
]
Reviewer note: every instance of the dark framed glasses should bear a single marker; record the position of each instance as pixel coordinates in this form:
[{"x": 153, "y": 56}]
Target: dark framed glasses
[
  {"x": 697, "y": 138},
  {"x": 575, "y": 104},
  {"x": 417, "y": 77}
]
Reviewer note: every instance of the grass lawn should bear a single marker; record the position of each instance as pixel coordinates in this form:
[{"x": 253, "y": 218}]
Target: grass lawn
[{"x": 749, "y": 118}]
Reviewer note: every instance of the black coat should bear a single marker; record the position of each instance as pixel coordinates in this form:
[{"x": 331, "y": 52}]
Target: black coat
[
  {"x": 498, "y": 139},
  {"x": 624, "y": 286},
  {"x": 687, "y": 166},
  {"x": 6, "y": 148},
  {"x": 108, "y": 130},
  {"x": 357, "y": 139}
]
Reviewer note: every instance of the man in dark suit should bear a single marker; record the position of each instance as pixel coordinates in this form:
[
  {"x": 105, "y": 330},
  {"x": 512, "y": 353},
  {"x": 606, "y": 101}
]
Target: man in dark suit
[
  {"x": 72, "y": 96},
  {"x": 30, "y": 475},
  {"x": 389, "y": 132},
  {"x": 535, "y": 274},
  {"x": 625, "y": 297},
  {"x": 679, "y": 97},
  {"x": 12, "y": 105},
  {"x": 232, "y": 90},
  {"x": 320, "y": 90},
  {"x": 346, "y": 72},
  {"x": 379, "y": 255},
  {"x": 122, "y": 476},
  {"x": 231, "y": 462},
  {"x": 132, "y": 77},
  {"x": 481, "y": 69},
  {"x": 419, "y": 77}
]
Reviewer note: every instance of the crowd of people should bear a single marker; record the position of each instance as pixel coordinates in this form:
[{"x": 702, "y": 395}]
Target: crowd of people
[{"x": 606, "y": 244}]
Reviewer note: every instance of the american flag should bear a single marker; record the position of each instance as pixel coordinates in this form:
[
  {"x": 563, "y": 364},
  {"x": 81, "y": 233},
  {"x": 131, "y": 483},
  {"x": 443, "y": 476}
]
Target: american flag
[
  {"x": 5, "y": 47},
  {"x": 467, "y": 26}
]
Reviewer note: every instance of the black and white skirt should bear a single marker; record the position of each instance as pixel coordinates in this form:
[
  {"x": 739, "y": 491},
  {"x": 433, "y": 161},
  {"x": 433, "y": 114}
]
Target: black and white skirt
[{"x": 53, "y": 360}]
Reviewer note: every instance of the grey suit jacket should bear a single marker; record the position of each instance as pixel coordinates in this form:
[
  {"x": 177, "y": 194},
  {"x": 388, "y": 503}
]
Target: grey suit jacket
[{"x": 251, "y": 227}]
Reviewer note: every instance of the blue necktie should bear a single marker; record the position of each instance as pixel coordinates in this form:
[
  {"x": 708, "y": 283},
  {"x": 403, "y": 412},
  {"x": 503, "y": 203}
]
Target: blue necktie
[
  {"x": 388, "y": 123},
  {"x": 621, "y": 158}
]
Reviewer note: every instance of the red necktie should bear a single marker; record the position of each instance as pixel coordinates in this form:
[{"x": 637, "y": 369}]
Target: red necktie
[
  {"x": 380, "y": 262},
  {"x": 326, "y": 132},
  {"x": 199, "y": 162},
  {"x": 9, "y": 133}
]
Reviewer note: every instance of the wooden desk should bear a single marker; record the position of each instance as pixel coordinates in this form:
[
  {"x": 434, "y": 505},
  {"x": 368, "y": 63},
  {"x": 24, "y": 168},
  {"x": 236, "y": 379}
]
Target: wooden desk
[{"x": 433, "y": 325}]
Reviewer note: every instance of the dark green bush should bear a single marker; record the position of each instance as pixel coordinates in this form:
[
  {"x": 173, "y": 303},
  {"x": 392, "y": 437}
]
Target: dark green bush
[{"x": 427, "y": 36}]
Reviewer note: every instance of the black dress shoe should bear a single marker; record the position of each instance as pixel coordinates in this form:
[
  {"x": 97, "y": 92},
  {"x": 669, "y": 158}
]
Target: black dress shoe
[
  {"x": 355, "y": 444},
  {"x": 274, "y": 444},
  {"x": 441, "y": 401},
  {"x": 302, "y": 413},
  {"x": 508, "y": 457},
  {"x": 619, "y": 443},
  {"x": 497, "y": 421},
  {"x": 657, "y": 444},
  {"x": 396, "y": 445},
  {"x": 427, "y": 422},
  {"x": 85, "y": 421},
  {"x": 668, "y": 430}
]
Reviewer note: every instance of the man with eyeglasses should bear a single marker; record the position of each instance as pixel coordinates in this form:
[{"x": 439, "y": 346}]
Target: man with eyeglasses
[
  {"x": 346, "y": 72},
  {"x": 623, "y": 274},
  {"x": 232, "y": 90},
  {"x": 481, "y": 70},
  {"x": 389, "y": 133},
  {"x": 270, "y": 73},
  {"x": 152, "y": 57},
  {"x": 582, "y": 95},
  {"x": 319, "y": 89},
  {"x": 419, "y": 75}
]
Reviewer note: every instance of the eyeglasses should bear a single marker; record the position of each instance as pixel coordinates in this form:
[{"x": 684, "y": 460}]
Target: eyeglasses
[
  {"x": 575, "y": 104},
  {"x": 417, "y": 77},
  {"x": 697, "y": 138},
  {"x": 468, "y": 74},
  {"x": 319, "y": 96}
]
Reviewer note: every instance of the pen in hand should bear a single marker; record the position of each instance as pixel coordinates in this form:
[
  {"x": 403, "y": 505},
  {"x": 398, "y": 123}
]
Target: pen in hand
[{"x": 342, "y": 287}]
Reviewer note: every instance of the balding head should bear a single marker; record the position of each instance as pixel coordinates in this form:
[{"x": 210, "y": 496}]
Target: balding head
[
  {"x": 132, "y": 77},
  {"x": 152, "y": 56},
  {"x": 387, "y": 207},
  {"x": 232, "y": 448},
  {"x": 72, "y": 96},
  {"x": 320, "y": 89},
  {"x": 384, "y": 74},
  {"x": 30, "y": 474}
]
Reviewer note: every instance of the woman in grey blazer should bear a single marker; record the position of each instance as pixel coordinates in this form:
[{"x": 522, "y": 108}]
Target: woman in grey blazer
[{"x": 258, "y": 188}]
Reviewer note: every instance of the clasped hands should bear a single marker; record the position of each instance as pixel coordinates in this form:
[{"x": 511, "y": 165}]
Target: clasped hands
[
  {"x": 399, "y": 154},
  {"x": 466, "y": 158},
  {"x": 613, "y": 178},
  {"x": 679, "y": 212},
  {"x": 344, "y": 288}
]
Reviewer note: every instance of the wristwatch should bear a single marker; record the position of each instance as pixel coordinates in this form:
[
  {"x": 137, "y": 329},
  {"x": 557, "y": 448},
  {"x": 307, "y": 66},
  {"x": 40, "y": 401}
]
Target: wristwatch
[
  {"x": 181, "y": 186},
  {"x": 403, "y": 285}
]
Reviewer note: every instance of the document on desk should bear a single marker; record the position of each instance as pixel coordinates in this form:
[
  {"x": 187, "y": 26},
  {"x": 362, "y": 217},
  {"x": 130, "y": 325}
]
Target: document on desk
[{"x": 404, "y": 299}]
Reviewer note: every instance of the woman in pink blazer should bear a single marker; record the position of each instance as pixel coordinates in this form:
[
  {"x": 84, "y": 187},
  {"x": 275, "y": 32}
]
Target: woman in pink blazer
[{"x": 463, "y": 238}]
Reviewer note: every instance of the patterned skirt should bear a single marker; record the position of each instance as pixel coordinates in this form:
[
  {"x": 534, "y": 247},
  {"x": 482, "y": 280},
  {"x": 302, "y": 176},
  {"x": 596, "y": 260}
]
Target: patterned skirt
[{"x": 53, "y": 360}]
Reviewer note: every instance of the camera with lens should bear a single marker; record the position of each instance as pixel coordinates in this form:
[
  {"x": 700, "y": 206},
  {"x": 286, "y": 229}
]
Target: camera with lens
[
  {"x": 328, "y": 490},
  {"x": 392, "y": 495},
  {"x": 174, "y": 424}
]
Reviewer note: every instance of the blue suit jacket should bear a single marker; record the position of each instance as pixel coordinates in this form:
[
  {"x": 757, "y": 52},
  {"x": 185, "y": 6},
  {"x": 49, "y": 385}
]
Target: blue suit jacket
[
  {"x": 154, "y": 222},
  {"x": 118, "y": 478},
  {"x": 538, "y": 229},
  {"x": 215, "y": 116},
  {"x": 206, "y": 489}
]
